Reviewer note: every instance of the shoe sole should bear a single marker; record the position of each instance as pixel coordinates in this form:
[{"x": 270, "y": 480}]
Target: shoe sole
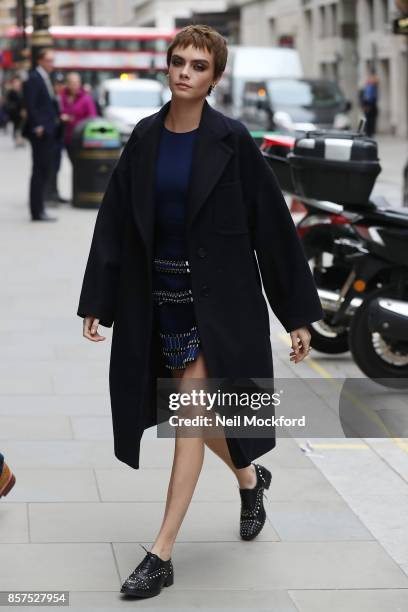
[
  {"x": 169, "y": 581},
  {"x": 9, "y": 485}
]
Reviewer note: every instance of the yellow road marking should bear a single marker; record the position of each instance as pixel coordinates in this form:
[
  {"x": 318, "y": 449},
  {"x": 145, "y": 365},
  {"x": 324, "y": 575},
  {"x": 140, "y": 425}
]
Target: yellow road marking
[
  {"x": 338, "y": 445},
  {"x": 370, "y": 414}
]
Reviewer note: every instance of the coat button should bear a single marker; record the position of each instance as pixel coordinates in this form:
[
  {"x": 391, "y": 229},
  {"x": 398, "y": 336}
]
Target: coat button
[
  {"x": 205, "y": 290},
  {"x": 201, "y": 252}
]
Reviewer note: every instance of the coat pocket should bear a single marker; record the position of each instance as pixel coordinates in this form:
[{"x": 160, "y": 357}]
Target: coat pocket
[{"x": 229, "y": 211}]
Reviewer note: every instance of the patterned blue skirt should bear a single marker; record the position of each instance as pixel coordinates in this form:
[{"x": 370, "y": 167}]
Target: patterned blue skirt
[{"x": 173, "y": 300}]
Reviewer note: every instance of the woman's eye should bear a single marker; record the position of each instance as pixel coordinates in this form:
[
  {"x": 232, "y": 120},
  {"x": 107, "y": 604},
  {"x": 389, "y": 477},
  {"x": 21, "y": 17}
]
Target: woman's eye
[
  {"x": 200, "y": 66},
  {"x": 175, "y": 61}
]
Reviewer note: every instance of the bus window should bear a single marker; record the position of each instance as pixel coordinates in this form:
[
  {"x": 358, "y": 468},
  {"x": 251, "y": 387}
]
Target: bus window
[
  {"x": 128, "y": 45},
  {"x": 83, "y": 43},
  {"x": 149, "y": 45},
  {"x": 62, "y": 43},
  {"x": 162, "y": 44},
  {"x": 106, "y": 44}
]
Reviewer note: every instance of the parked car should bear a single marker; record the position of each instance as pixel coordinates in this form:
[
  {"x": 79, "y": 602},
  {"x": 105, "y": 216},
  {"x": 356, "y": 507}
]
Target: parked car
[
  {"x": 125, "y": 102},
  {"x": 252, "y": 63},
  {"x": 294, "y": 105}
]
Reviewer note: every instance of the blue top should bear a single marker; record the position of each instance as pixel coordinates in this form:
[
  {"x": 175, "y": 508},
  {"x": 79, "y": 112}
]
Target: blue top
[{"x": 172, "y": 179}]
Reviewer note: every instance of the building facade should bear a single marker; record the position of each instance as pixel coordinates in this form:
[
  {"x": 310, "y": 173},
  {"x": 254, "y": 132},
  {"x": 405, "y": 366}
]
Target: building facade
[{"x": 10, "y": 14}]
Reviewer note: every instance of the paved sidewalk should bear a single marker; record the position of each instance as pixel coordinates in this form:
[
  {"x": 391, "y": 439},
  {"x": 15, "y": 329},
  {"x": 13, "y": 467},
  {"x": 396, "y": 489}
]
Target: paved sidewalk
[
  {"x": 393, "y": 155},
  {"x": 336, "y": 537}
]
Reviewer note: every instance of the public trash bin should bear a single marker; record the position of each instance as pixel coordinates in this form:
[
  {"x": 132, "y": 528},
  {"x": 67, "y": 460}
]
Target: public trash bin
[
  {"x": 258, "y": 136},
  {"x": 96, "y": 149}
]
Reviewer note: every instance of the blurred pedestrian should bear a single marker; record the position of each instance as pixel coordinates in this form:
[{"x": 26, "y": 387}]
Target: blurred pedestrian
[
  {"x": 77, "y": 105},
  {"x": 40, "y": 129},
  {"x": 4, "y": 118},
  {"x": 369, "y": 99},
  {"x": 52, "y": 193},
  {"x": 7, "y": 478},
  {"x": 14, "y": 109},
  {"x": 94, "y": 95}
]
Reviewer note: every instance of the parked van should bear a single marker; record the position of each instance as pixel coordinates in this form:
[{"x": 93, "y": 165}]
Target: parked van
[
  {"x": 250, "y": 64},
  {"x": 125, "y": 102},
  {"x": 294, "y": 105}
]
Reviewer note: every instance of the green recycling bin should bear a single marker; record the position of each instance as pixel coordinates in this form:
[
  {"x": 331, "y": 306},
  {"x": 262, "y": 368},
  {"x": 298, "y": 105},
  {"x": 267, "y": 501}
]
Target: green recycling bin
[
  {"x": 96, "y": 149},
  {"x": 258, "y": 136}
]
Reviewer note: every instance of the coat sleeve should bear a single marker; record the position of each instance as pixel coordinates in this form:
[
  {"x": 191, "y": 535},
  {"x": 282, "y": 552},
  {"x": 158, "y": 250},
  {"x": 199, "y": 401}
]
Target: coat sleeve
[
  {"x": 100, "y": 282},
  {"x": 286, "y": 275}
]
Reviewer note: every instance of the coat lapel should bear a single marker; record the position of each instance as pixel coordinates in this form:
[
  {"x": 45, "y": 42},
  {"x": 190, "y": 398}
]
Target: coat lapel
[{"x": 210, "y": 156}]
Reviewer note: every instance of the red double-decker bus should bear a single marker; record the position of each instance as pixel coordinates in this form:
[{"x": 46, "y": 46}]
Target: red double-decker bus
[{"x": 99, "y": 53}]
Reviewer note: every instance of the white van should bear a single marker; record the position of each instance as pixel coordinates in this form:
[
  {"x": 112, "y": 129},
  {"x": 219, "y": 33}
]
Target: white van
[
  {"x": 253, "y": 64},
  {"x": 125, "y": 102}
]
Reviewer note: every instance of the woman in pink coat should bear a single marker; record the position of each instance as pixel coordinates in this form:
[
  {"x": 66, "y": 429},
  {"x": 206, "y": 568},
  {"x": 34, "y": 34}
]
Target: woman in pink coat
[{"x": 76, "y": 105}]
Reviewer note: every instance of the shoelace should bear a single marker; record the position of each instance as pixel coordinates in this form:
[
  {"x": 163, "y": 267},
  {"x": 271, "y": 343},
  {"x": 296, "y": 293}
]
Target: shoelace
[
  {"x": 146, "y": 565},
  {"x": 144, "y": 547},
  {"x": 248, "y": 511}
]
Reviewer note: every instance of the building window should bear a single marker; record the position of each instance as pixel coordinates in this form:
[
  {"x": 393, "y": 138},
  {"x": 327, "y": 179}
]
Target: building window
[
  {"x": 329, "y": 70},
  {"x": 384, "y": 11},
  {"x": 67, "y": 13},
  {"x": 333, "y": 20},
  {"x": 90, "y": 12},
  {"x": 272, "y": 31},
  {"x": 370, "y": 15},
  {"x": 308, "y": 22},
  {"x": 322, "y": 21}
]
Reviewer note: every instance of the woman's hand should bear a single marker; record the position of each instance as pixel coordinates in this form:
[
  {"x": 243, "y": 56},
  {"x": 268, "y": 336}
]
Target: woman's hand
[
  {"x": 300, "y": 344},
  {"x": 90, "y": 329}
]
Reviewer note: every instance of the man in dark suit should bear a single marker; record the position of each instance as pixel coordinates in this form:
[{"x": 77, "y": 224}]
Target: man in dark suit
[{"x": 40, "y": 129}]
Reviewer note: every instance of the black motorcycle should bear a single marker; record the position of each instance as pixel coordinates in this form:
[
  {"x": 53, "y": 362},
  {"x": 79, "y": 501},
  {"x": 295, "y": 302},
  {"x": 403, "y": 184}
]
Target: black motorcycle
[
  {"x": 332, "y": 175},
  {"x": 333, "y": 237},
  {"x": 378, "y": 333}
]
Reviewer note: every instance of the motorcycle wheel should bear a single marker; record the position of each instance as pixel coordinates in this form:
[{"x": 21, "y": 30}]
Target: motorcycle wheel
[
  {"x": 380, "y": 358},
  {"x": 328, "y": 339}
]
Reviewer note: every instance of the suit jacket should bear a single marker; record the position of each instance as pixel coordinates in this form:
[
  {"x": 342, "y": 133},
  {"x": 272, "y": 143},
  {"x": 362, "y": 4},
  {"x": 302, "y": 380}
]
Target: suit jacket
[
  {"x": 240, "y": 235},
  {"x": 41, "y": 108}
]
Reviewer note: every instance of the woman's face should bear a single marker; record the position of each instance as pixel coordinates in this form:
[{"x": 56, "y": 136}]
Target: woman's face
[
  {"x": 73, "y": 83},
  {"x": 195, "y": 68}
]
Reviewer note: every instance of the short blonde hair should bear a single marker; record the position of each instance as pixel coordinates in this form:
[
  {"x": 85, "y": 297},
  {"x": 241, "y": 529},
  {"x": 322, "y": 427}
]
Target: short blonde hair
[{"x": 202, "y": 37}]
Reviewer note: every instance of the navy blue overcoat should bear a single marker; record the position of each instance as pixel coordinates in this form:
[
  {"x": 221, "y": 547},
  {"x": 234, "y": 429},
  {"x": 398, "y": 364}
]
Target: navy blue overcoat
[{"x": 239, "y": 231}]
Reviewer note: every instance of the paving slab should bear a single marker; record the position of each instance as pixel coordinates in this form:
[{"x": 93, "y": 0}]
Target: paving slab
[
  {"x": 277, "y": 565},
  {"x": 134, "y": 522}
]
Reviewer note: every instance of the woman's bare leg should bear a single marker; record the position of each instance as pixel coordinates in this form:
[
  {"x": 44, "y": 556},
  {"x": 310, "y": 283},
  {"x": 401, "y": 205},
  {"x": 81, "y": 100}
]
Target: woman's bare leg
[{"x": 187, "y": 463}]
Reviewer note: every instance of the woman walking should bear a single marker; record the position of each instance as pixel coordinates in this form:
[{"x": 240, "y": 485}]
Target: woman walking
[{"x": 172, "y": 264}]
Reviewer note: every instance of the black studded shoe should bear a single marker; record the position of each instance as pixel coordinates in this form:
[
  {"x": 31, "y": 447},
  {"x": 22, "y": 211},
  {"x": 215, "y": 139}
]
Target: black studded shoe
[
  {"x": 148, "y": 578},
  {"x": 253, "y": 515}
]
